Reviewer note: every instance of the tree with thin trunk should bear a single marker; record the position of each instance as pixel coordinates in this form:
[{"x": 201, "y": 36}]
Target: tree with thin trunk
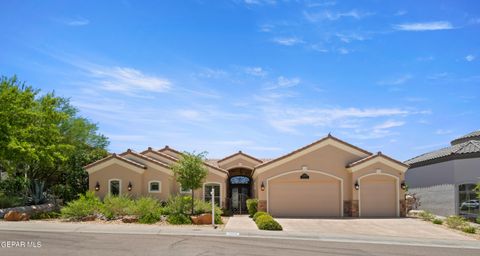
[{"x": 190, "y": 172}]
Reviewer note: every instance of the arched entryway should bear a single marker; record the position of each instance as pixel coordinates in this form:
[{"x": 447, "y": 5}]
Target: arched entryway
[{"x": 239, "y": 189}]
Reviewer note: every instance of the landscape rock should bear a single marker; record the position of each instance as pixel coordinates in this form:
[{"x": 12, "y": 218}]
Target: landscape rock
[
  {"x": 202, "y": 219},
  {"x": 88, "y": 218},
  {"x": 16, "y": 216},
  {"x": 130, "y": 219}
]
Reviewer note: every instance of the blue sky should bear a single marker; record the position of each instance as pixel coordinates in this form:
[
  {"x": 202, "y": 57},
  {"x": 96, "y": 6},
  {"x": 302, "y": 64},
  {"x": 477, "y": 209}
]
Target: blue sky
[{"x": 262, "y": 76}]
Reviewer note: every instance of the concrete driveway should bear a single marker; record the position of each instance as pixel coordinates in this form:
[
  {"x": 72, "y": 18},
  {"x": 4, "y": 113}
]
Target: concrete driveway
[{"x": 397, "y": 227}]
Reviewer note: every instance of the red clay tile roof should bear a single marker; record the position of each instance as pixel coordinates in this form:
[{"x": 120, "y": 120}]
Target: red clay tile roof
[
  {"x": 239, "y": 153},
  {"x": 368, "y": 158},
  {"x": 116, "y": 157},
  {"x": 145, "y": 157},
  {"x": 329, "y": 136},
  {"x": 204, "y": 162}
]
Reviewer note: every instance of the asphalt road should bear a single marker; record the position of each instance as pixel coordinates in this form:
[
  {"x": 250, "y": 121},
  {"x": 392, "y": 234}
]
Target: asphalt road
[{"x": 122, "y": 244}]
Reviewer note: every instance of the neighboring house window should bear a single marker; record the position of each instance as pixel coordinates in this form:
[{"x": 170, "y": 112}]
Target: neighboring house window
[
  {"x": 154, "y": 186},
  {"x": 468, "y": 200},
  {"x": 185, "y": 191},
  {"x": 207, "y": 188},
  {"x": 114, "y": 187}
]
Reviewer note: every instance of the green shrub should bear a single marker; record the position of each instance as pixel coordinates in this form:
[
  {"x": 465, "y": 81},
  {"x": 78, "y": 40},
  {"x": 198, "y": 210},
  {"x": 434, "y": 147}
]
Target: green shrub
[
  {"x": 45, "y": 215},
  {"x": 206, "y": 207},
  {"x": 258, "y": 214},
  {"x": 13, "y": 186},
  {"x": 252, "y": 205},
  {"x": 426, "y": 216},
  {"x": 456, "y": 222},
  {"x": 469, "y": 229},
  {"x": 178, "y": 205},
  {"x": 10, "y": 201},
  {"x": 178, "y": 219},
  {"x": 478, "y": 220},
  {"x": 117, "y": 206},
  {"x": 266, "y": 222},
  {"x": 147, "y": 209},
  {"x": 86, "y": 205},
  {"x": 437, "y": 221}
]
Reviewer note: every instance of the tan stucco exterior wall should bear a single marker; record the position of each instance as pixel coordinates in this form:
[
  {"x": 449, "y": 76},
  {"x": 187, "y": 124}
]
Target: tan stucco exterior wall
[
  {"x": 238, "y": 163},
  {"x": 116, "y": 171}
]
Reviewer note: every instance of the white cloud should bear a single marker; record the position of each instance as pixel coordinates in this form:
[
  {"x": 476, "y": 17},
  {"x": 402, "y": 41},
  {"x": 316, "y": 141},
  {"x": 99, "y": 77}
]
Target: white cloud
[
  {"x": 256, "y": 71},
  {"x": 469, "y": 58},
  {"x": 347, "y": 38},
  {"x": 396, "y": 81},
  {"x": 128, "y": 81},
  {"x": 388, "y": 124},
  {"x": 287, "y": 41},
  {"x": 321, "y": 4},
  {"x": 283, "y": 82},
  {"x": 424, "y": 26},
  {"x": 288, "y": 119},
  {"x": 443, "y": 132},
  {"x": 332, "y": 16},
  {"x": 266, "y": 28},
  {"x": 259, "y": 2},
  {"x": 212, "y": 73},
  {"x": 77, "y": 22},
  {"x": 344, "y": 51},
  {"x": 400, "y": 13}
]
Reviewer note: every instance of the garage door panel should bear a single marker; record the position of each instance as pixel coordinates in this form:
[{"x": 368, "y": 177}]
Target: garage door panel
[
  {"x": 305, "y": 198},
  {"x": 378, "y": 196}
]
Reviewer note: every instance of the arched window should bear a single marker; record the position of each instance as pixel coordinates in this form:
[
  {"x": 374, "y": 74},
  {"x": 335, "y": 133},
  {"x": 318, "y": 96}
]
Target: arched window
[
  {"x": 239, "y": 180},
  {"x": 207, "y": 188}
]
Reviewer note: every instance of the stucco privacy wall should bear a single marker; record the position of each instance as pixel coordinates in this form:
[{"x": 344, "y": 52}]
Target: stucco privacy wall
[{"x": 439, "y": 199}]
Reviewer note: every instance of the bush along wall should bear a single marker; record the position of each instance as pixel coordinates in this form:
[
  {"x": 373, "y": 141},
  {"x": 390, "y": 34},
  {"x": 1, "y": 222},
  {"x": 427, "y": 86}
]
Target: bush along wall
[{"x": 265, "y": 221}]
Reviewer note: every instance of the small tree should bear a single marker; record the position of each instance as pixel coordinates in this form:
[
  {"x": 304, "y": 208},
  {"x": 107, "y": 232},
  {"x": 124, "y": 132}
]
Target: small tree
[{"x": 190, "y": 171}]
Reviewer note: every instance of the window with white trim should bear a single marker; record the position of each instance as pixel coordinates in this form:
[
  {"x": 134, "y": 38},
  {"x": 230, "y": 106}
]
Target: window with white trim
[
  {"x": 154, "y": 186},
  {"x": 207, "y": 188}
]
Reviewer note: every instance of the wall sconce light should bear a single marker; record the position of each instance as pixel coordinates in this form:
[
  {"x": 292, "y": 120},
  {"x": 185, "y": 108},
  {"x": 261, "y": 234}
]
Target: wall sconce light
[
  {"x": 129, "y": 186},
  {"x": 403, "y": 185},
  {"x": 356, "y": 185},
  {"x": 262, "y": 187},
  {"x": 97, "y": 186}
]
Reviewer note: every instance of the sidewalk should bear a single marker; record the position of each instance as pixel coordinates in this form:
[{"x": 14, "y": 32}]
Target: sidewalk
[
  {"x": 232, "y": 230},
  {"x": 240, "y": 223}
]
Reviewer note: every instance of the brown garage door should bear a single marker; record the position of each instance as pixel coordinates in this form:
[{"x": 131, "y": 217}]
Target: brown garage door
[
  {"x": 378, "y": 196},
  {"x": 319, "y": 198}
]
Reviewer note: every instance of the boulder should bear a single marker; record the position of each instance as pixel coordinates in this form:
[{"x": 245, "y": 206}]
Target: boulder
[
  {"x": 88, "y": 218},
  {"x": 16, "y": 216},
  {"x": 130, "y": 219},
  {"x": 202, "y": 219}
]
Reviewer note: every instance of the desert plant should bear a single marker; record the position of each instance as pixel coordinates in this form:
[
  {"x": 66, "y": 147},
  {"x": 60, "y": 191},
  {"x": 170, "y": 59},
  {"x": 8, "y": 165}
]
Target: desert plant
[
  {"x": 469, "y": 229},
  {"x": 45, "y": 215},
  {"x": 86, "y": 205},
  {"x": 178, "y": 205},
  {"x": 437, "y": 221},
  {"x": 456, "y": 222},
  {"x": 117, "y": 206},
  {"x": 258, "y": 214},
  {"x": 266, "y": 222},
  {"x": 178, "y": 219},
  {"x": 147, "y": 209},
  {"x": 426, "y": 216},
  {"x": 252, "y": 205},
  {"x": 10, "y": 201},
  {"x": 206, "y": 207},
  {"x": 37, "y": 194}
]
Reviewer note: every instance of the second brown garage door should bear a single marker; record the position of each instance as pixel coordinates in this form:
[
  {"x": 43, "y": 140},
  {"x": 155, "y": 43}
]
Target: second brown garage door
[
  {"x": 378, "y": 196},
  {"x": 318, "y": 197}
]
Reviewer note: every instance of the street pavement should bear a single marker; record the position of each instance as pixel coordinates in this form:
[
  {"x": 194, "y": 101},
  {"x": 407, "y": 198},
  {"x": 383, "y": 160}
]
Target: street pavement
[{"x": 72, "y": 243}]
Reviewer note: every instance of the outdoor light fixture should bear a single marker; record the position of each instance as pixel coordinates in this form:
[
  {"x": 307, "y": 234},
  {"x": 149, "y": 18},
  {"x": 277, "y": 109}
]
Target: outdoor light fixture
[
  {"x": 262, "y": 187},
  {"x": 356, "y": 185},
  {"x": 97, "y": 186},
  {"x": 129, "y": 186},
  {"x": 403, "y": 185}
]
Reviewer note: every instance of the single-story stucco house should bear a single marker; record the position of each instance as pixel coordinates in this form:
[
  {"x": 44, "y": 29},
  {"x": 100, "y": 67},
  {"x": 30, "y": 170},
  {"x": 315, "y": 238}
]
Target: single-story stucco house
[
  {"x": 444, "y": 179},
  {"x": 327, "y": 178}
]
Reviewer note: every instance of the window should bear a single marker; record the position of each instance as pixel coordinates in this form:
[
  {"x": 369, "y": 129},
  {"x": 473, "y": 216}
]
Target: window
[
  {"x": 240, "y": 180},
  {"x": 154, "y": 186},
  {"x": 468, "y": 201},
  {"x": 185, "y": 191},
  {"x": 114, "y": 187},
  {"x": 207, "y": 188}
]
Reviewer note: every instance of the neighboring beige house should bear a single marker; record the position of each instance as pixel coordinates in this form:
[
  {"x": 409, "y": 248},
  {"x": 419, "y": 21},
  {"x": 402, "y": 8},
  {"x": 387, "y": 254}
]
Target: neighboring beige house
[{"x": 328, "y": 178}]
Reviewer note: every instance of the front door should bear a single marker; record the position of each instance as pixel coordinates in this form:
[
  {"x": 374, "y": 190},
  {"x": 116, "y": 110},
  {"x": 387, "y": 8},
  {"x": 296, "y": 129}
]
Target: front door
[{"x": 239, "y": 193}]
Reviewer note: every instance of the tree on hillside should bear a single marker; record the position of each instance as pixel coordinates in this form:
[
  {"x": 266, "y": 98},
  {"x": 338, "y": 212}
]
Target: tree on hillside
[
  {"x": 43, "y": 138},
  {"x": 190, "y": 172}
]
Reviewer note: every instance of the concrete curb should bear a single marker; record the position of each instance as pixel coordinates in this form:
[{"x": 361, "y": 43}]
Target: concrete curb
[{"x": 207, "y": 232}]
